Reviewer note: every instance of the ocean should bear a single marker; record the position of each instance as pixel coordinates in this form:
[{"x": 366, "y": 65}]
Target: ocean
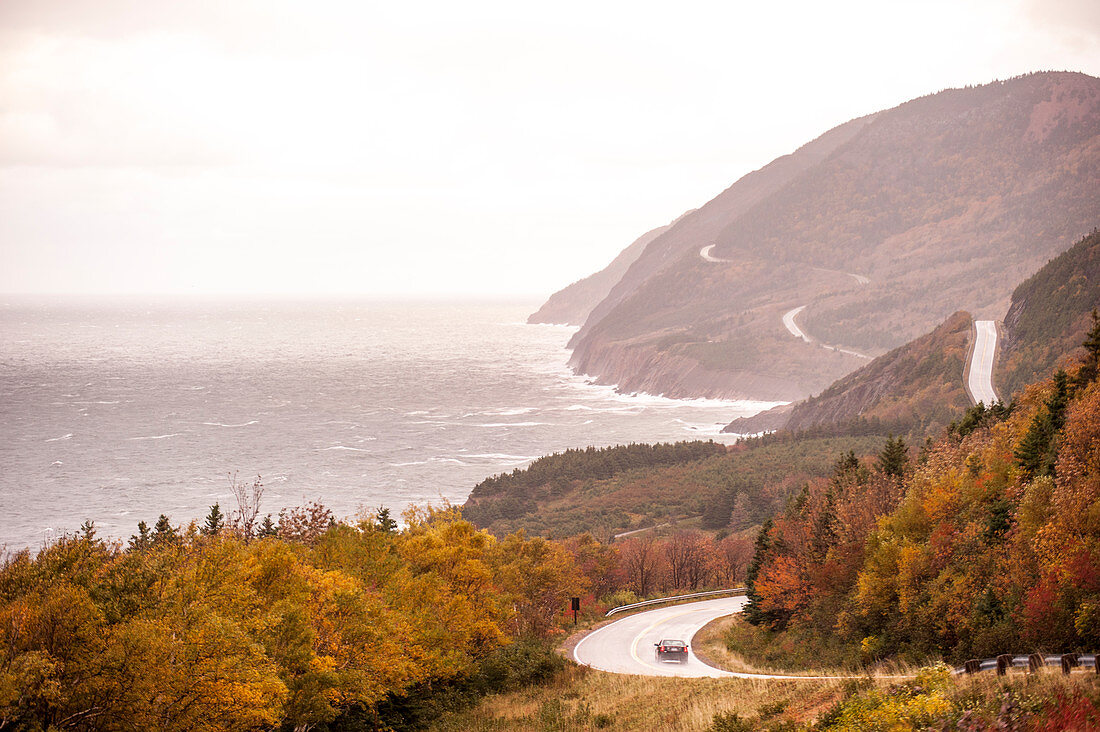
[{"x": 119, "y": 411}]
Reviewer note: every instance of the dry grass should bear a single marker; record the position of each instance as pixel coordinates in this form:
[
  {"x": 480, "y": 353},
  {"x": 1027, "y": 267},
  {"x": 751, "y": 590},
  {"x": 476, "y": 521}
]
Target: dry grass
[{"x": 584, "y": 699}]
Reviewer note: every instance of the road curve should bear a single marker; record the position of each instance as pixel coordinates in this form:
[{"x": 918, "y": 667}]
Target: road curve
[
  {"x": 626, "y": 646},
  {"x": 980, "y": 381},
  {"x": 788, "y": 321},
  {"x": 792, "y": 327},
  {"x": 705, "y": 254}
]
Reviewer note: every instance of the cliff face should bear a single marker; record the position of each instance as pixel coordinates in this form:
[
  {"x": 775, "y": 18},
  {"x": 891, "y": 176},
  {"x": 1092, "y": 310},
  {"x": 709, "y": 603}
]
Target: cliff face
[
  {"x": 881, "y": 229},
  {"x": 571, "y": 305}
]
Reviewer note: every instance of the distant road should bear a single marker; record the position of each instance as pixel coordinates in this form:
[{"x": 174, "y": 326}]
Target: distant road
[
  {"x": 788, "y": 321},
  {"x": 626, "y": 646},
  {"x": 980, "y": 382},
  {"x": 705, "y": 254},
  {"x": 792, "y": 327}
]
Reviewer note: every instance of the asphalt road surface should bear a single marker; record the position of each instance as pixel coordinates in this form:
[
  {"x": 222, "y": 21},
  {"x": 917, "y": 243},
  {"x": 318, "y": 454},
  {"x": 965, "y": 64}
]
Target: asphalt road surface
[
  {"x": 981, "y": 362},
  {"x": 626, "y": 646}
]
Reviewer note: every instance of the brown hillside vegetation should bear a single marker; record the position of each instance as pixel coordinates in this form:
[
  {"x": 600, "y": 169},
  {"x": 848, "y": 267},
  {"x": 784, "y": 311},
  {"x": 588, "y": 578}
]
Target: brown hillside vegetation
[
  {"x": 918, "y": 386},
  {"x": 736, "y": 489},
  {"x": 1050, "y": 315},
  {"x": 945, "y": 203}
]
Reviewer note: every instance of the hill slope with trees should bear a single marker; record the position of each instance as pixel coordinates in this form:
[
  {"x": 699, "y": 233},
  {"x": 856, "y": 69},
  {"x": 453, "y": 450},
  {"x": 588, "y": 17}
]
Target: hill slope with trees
[
  {"x": 945, "y": 203},
  {"x": 1049, "y": 315}
]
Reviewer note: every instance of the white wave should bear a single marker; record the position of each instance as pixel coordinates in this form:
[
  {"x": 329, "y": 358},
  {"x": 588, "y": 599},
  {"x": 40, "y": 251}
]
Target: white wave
[
  {"x": 57, "y": 462},
  {"x": 502, "y": 456},
  {"x": 345, "y": 447},
  {"x": 113, "y": 402},
  {"x": 511, "y": 424},
  {"x": 220, "y": 424},
  {"x": 511, "y": 412},
  {"x": 157, "y": 437},
  {"x": 59, "y": 439},
  {"x": 455, "y": 461}
]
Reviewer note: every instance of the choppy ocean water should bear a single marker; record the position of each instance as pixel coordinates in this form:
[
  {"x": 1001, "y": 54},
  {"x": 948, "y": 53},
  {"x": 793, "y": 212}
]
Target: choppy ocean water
[{"x": 120, "y": 411}]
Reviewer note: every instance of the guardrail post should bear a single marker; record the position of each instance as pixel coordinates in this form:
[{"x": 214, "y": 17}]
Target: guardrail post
[
  {"x": 1034, "y": 662},
  {"x": 1003, "y": 662},
  {"x": 972, "y": 666},
  {"x": 1069, "y": 662}
]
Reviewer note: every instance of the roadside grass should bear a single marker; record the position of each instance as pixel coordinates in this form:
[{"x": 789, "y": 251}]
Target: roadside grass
[
  {"x": 584, "y": 699},
  {"x": 581, "y": 699},
  {"x": 735, "y": 645}
]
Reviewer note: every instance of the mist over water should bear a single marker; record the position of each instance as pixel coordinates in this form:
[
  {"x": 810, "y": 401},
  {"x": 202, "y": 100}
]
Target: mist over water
[{"x": 120, "y": 411}]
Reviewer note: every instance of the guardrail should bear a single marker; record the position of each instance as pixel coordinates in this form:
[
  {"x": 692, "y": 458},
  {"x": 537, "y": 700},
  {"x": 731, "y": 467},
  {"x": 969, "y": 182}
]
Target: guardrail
[
  {"x": 1033, "y": 662},
  {"x": 659, "y": 600}
]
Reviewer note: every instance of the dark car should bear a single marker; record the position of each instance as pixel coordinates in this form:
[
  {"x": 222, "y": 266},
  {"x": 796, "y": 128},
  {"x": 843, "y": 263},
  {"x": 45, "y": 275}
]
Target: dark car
[{"x": 671, "y": 650}]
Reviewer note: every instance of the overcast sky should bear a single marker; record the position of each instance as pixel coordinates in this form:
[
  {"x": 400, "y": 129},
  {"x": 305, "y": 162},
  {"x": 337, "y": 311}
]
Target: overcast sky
[{"x": 436, "y": 148}]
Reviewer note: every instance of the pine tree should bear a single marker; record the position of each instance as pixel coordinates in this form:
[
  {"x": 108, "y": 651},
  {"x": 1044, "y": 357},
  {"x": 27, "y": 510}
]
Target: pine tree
[
  {"x": 267, "y": 528},
  {"x": 1038, "y": 450},
  {"x": 1091, "y": 368},
  {"x": 761, "y": 551},
  {"x": 385, "y": 523},
  {"x": 164, "y": 532},
  {"x": 894, "y": 458},
  {"x": 141, "y": 540},
  {"x": 215, "y": 520}
]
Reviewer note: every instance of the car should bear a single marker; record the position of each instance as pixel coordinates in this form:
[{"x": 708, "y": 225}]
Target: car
[{"x": 671, "y": 650}]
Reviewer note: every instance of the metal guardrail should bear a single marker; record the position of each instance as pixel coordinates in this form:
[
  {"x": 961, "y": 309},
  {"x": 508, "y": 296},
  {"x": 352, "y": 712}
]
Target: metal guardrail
[
  {"x": 659, "y": 600},
  {"x": 1033, "y": 662}
]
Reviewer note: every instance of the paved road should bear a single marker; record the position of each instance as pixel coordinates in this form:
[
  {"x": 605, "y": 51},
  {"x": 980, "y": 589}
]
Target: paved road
[
  {"x": 788, "y": 321},
  {"x": 705, "y": 254},
  {"x": 981, "y": 362},
  {"x": 626, "y": 646},
  {"x": 792, "y": 327}
]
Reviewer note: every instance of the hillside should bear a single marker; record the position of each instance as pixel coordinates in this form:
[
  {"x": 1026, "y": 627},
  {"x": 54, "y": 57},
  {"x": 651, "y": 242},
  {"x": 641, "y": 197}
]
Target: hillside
[
  {"x": 1049, "y": 315},
  {"x": 943, "y": 203},
  {"x": 699, "y": 228},
  {"x": 571, "y": 305},
  {"x": 612, "y": 490},
  {"x": 918, "y": 387}
]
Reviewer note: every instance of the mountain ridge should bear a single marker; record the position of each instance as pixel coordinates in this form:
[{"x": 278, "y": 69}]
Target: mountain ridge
[{"x": 946, "y": 202}]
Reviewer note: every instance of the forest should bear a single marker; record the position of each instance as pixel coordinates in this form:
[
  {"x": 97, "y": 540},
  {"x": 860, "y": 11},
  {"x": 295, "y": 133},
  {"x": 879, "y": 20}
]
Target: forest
[{"x": 986, "y": 541}]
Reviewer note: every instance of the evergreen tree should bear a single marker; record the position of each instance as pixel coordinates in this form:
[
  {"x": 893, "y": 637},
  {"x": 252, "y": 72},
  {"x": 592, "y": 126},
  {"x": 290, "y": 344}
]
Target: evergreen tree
[
  {"x": 215, "y": 521},
  {"x": 267, "y": 528},
  {"x": 141, "y": 540},
  {"x": 761, "y": 549},
  {"x": 87, "y": 530},
  {"x": 894, "y": 458},
  {"x": 164, "y": 532},
  {"x": 385, "y": 523},
  {"x": 824, "y": 531},
  {"x": 1038, "y": 450},
  {"x": 1091, "y": 368}
]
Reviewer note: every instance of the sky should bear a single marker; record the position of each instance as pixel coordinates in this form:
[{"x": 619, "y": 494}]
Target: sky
[{"x": 436, "y": 149}]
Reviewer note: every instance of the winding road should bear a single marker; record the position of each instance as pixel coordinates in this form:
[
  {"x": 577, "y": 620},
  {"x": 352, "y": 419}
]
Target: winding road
[
  {"x": 980, "y": 380},
  {"x": 626, "y": 646},
  {"x": 705, "y": 254},
  {"x": 792, "y": 327}
]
